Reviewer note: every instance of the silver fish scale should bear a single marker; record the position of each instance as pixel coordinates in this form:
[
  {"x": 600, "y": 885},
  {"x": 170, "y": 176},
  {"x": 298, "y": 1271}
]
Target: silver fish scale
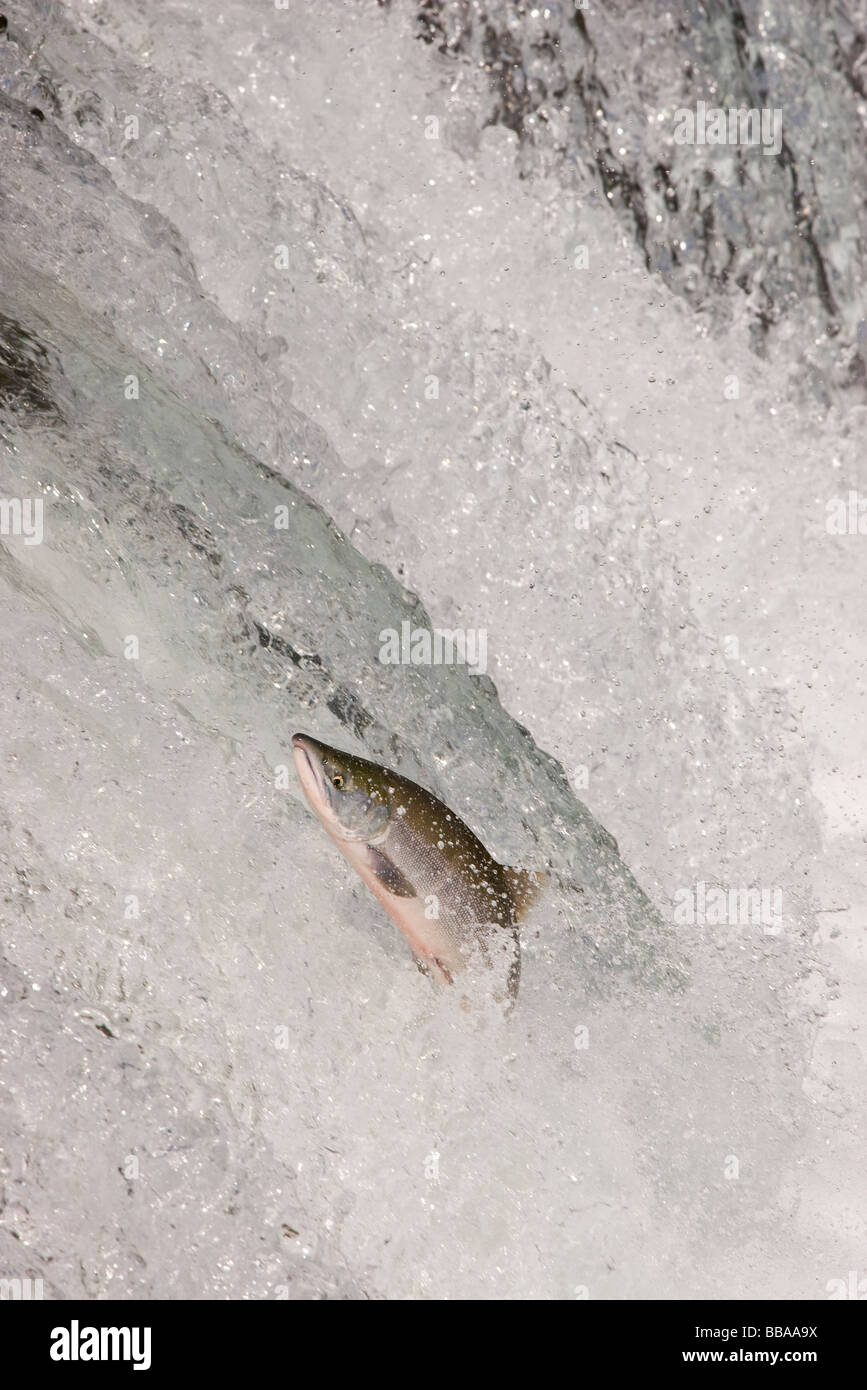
[{"x": 463, "y": 906}]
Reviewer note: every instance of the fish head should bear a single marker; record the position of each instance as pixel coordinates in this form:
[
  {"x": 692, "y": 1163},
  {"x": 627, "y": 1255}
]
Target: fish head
[{"x": 350, "y": 796}]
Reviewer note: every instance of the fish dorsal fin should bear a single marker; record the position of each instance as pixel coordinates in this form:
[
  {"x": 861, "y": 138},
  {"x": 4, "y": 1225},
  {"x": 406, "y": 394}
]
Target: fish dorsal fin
[{"x": 525, "y": 887}]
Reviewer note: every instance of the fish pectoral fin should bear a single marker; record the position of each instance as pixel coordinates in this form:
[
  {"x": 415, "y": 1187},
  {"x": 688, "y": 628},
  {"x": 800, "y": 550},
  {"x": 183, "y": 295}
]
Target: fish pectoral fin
[
  {"x": 389, "y": 874},
  {"x": 525, "y": 887}
]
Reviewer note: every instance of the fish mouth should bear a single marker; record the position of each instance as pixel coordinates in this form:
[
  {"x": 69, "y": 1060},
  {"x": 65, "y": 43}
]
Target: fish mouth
[{"x": 308, "y": 767}]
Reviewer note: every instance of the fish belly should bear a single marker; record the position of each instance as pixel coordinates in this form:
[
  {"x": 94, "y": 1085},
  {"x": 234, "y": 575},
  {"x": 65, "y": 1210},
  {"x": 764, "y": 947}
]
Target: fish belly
[{"x": 434, "y": 945}]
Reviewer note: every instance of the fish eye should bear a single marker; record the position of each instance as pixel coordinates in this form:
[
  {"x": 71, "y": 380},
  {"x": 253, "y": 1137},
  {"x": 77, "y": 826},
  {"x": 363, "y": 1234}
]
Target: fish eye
[{"x": 337, "y": 781}]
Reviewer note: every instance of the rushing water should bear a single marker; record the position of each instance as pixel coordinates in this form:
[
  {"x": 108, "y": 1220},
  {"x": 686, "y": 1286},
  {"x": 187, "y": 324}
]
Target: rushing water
[{"x": 333, "y": 318}]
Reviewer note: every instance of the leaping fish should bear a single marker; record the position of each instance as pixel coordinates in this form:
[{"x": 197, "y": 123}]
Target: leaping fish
[{"x": 433, "y": 876}]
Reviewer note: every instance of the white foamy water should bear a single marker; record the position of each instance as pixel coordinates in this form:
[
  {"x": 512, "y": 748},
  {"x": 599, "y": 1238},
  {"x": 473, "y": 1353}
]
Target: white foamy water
[{"x": 311, "y": 328}]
